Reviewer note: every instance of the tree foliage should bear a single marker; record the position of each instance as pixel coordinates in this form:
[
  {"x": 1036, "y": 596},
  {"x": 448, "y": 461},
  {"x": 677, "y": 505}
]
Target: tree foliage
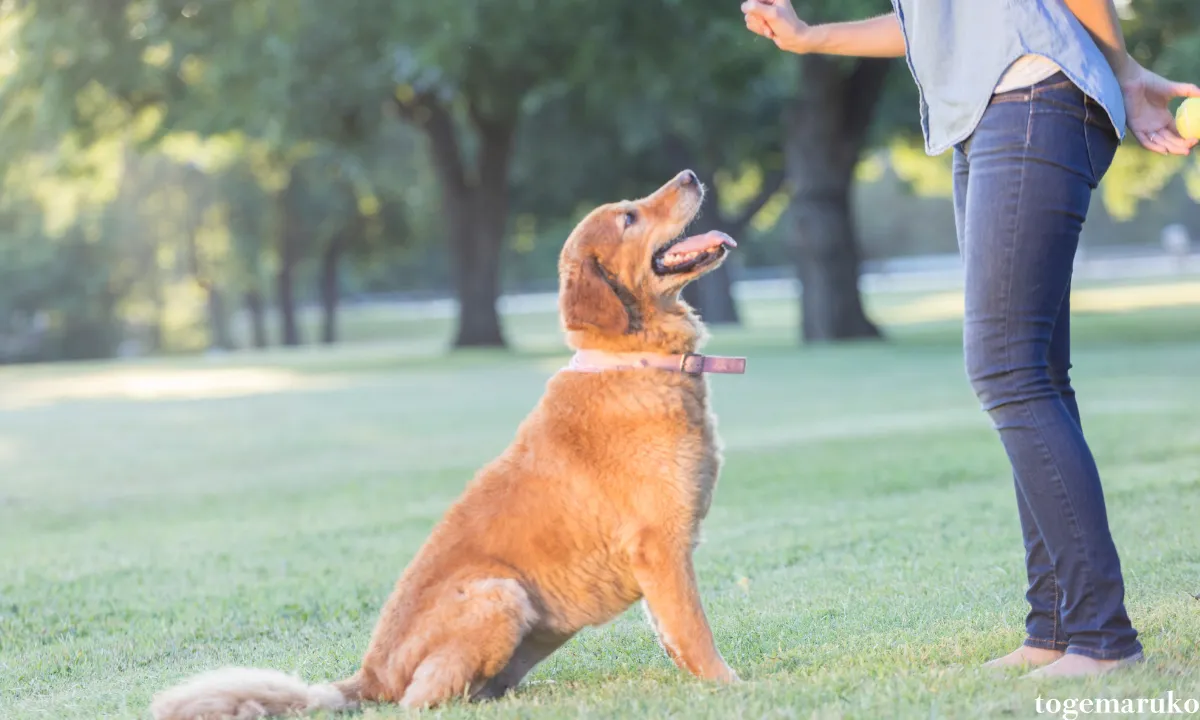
[{"x": 171, "y": 167}]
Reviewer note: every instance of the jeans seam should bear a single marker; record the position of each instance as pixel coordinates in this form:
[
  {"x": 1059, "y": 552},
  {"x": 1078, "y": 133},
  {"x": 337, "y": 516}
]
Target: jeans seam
[
  {"x": 1087, "y": 143},
  {"x": 1028, "y": 141},
  {"x": 1012, "y": 253},
  {"x": 1045, "y": 644},
  {"x": 1057, "y": 597},
  {"x": 1132, "y": 651},
  {"x": 1012, "y": 245}
]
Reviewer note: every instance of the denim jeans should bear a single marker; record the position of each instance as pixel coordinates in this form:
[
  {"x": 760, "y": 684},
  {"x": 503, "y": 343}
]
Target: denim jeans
[{"x": 1022, "y": 184}]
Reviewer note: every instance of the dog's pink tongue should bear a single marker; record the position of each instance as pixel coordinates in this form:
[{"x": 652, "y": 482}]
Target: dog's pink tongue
[{"x": 703, "y": 243}]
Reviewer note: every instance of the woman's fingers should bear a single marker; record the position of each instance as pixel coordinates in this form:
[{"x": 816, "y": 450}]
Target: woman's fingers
[
  {"x": 1152, "y": 140},
  {"x": 765, "y": 11},
  {"x": 759, "y": 27},
  {"x": 1165, "y": 135},
  {"x": 1184, "y": 90},
  {"x": 1148, "y": 141},
  {"x": 1169, "y": 136},
  {"x": 1172, "y": 142},
  {"x": 759, "y": 17}
]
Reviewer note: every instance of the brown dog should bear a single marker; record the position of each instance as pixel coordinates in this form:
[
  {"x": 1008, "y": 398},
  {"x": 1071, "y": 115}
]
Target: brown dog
[{"x": 596, "y": 503}]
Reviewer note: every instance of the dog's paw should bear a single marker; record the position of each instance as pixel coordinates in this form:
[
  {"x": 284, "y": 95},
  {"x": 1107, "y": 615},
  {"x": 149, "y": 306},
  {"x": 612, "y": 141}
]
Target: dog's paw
[{"x": 726, "y": 676}]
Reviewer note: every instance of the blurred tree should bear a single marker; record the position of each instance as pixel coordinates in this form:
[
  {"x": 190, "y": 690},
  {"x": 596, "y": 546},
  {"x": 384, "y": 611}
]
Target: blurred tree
[
  {"x": 305, "y": 120},
  {"x": 464, "y": 75},
  {"x": 1164, "y": 35},
  {"x": 289, "y": 78},
  {"x": 338, "y": 227},
  {"x": 206, "y": 249},
  {"x": 651, "y": 107},
  {"x": 741, "y": 109},
  {"x": 65, "y": 275},
  {"x": 840, "y": 107},
  {"x": 293, "y": 239},
  {"x": 244, "y": 201},
  {"x": 720, "y": 114}
]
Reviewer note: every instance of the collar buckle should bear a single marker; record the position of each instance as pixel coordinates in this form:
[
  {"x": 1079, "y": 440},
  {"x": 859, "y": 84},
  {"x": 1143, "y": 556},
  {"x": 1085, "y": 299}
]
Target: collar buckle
[{"x": 691, "y": 364}]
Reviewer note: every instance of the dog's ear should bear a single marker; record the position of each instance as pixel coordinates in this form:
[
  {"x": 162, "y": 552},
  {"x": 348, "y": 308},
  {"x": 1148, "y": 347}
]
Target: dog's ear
[{"x": 592, "y": 297}]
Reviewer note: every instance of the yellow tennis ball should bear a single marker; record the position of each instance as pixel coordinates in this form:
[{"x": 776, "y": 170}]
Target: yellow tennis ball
[{"x": 1187, "y": 118}]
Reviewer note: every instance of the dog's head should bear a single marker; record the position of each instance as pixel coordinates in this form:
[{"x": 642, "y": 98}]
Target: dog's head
[{"x": 623, "y": 266}]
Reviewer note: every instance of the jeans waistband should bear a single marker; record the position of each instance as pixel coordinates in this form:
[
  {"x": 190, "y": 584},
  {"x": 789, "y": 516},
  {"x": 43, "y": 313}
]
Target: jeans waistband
[{"x": 1056, "y": 79}]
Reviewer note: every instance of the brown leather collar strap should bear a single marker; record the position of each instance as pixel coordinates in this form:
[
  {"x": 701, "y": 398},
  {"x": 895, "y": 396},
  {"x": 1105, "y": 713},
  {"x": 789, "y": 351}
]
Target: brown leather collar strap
[{"x": 688, "y": 363}]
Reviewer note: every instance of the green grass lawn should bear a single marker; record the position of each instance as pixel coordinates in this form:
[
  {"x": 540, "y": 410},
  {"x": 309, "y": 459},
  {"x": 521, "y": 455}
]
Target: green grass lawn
[{"x": 862, "y": 558}]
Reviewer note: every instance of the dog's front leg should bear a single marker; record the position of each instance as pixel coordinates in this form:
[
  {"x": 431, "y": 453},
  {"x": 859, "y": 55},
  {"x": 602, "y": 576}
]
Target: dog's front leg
[{"x": 663, "y": 569}]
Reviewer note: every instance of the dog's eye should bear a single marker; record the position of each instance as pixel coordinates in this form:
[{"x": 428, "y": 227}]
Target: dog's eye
[{"x": 630, "y": 218}]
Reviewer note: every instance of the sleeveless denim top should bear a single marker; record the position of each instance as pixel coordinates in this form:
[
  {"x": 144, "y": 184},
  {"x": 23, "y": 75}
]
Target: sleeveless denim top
[{"x": 957, "y": 50}]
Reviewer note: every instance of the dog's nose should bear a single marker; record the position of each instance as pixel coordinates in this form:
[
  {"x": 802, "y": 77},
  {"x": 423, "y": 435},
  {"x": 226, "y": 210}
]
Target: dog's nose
[{"x": 687, "y": 177}]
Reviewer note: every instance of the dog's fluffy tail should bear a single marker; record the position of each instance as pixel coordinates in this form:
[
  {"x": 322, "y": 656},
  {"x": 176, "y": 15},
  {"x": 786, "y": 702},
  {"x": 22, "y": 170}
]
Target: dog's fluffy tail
[{"x": 246, "y": 694}]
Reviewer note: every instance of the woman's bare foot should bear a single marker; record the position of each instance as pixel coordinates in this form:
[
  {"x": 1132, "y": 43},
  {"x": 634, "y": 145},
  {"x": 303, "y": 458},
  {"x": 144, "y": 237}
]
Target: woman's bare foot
[
  {"x": 1025, "y": 656},
  {"x": 1073, "y": 665}
]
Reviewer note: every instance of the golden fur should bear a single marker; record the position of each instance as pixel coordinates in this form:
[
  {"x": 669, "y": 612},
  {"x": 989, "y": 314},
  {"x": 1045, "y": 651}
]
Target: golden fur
[{"x": 595, "y": 505}]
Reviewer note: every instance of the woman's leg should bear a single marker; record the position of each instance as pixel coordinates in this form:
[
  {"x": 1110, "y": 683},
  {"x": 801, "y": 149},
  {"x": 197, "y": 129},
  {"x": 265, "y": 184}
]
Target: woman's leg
[
  {"x": 1045, "y": 640},
  {"x": 1045, "y": 637},
  {"x": 1032, "y": 164}
]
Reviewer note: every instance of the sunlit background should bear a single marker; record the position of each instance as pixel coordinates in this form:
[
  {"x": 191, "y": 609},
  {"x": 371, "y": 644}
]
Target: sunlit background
[{"x": 277, "y": 276}]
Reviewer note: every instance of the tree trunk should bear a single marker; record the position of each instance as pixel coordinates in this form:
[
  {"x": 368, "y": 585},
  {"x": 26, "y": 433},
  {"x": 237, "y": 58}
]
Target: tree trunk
[
  {"x": 155, "y": 331},
  {"x": 258, "y": 318},
  {"x": 218, "y": 320},
  {"x": 712, "y": 297},
  {"x": 475, "y": 207},
  {"x": 477, "y": 284},
  {"x": 826, "y": 133},
  {"x": 827, "y": 265},
  {"x": 289, "y": 328},
  {"x": 478, "y": 263},
  {"x": 329, "y": 289},
  {"x": 289, "y": 256},
  {"x": 219, "y": 335}
]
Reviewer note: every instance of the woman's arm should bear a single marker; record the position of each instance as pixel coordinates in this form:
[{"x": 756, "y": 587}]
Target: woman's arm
[
  {"x": 1100, "y": 19},
  {"x": 1146, "y": 94},
  {"x": 775, "y": 19}
]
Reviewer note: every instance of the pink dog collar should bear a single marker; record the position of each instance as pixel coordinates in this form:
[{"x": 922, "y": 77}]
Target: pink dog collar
[{"x": 687, "y": 363}]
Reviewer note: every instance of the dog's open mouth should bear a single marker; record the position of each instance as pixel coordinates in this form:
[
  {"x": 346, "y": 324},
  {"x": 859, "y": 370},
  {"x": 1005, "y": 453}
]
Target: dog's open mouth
[{"x": 687, "y": 254}]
